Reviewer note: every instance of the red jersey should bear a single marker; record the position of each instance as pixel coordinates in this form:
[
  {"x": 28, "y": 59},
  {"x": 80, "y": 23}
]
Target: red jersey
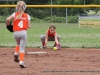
[
  {"x": 20, "y": 24},
  {"x": 51, "y": 34}
]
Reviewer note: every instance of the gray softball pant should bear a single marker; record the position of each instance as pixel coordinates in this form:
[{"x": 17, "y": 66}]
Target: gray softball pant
[
  {"x": 42, "y": 37},
  {"x": 21, "y": 37}
]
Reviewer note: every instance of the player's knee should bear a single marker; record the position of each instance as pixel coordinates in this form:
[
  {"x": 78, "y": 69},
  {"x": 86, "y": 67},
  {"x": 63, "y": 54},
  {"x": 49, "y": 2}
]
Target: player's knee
[{"x": 42, "y": 37}]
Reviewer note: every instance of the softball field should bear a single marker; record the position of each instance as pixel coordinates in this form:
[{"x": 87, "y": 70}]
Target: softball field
[{"x": 67, "y": 61}]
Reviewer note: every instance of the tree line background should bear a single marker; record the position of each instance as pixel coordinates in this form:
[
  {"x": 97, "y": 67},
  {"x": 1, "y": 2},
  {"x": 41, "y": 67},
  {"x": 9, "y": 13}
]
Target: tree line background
[{"x": 44, "y": 14}]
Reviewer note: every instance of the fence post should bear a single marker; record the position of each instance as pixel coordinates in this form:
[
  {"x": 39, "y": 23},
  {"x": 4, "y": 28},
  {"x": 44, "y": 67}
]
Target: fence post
[{"x": 66, "y": 17}]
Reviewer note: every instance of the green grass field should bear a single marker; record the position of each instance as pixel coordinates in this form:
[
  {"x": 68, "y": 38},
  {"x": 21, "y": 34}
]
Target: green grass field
[{"x": 71, "y": 36}]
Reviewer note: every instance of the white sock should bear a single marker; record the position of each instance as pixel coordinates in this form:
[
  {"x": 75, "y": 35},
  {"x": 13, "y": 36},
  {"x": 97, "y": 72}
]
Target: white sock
[
  {"x": 16, "y": 53},
  {"x": 21, "y": 62}
]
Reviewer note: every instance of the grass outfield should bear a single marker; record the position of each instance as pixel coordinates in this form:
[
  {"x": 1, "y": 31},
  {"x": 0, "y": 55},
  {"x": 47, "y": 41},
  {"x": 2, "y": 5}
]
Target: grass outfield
[{"x": 71, "y": 36}]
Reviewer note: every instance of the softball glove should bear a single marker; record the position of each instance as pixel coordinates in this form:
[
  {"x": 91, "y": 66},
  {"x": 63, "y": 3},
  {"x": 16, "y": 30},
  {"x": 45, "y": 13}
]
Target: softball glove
[{"x": 9, "y": 27}]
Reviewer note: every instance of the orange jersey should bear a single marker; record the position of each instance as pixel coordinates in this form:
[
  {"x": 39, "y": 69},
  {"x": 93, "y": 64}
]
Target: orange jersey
[
  {"x": 51, "y": 34},
  {"x": 20, "y": 24}
]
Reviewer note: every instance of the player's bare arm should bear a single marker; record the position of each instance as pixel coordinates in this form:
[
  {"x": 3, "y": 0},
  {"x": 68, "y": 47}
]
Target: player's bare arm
[
  {"x": 29, "y": 25},
  {"x": 56, "y": 40},
  {"x": 8, "y": 20}
]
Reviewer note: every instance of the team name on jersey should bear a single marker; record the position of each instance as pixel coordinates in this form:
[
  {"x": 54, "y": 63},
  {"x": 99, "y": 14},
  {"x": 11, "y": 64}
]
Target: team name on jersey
[{"x": 23, "y": 18}]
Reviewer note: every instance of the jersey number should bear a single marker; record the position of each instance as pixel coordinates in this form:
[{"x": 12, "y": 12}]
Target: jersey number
[{"x": 20, "y": 24}]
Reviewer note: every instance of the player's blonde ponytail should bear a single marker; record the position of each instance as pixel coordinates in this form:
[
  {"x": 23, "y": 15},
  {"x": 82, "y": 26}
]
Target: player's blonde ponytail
[{"x": 21, "y": 6}]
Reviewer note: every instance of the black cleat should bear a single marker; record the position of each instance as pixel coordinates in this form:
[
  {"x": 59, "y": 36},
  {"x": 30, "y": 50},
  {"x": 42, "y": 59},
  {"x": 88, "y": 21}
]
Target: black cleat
[{"x": 16, "y": 58}]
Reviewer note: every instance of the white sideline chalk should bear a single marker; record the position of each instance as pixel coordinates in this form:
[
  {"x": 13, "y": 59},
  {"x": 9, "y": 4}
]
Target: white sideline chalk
[{"x": 36, "y": 52}]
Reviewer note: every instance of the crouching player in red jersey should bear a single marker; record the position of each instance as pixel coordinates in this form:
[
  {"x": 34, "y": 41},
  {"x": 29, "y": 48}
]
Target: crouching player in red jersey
[{"x": 51, "y": 35}]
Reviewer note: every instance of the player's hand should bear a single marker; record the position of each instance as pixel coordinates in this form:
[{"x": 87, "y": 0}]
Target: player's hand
[{"x": 7, "y": 23}]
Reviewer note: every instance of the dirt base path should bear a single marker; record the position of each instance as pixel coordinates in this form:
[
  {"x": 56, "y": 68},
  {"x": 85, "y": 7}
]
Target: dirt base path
[{"x": 66, "y": 61}]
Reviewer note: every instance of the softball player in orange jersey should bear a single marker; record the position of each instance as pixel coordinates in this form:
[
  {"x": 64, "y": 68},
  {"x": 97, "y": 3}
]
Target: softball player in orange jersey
[
  {"x": 51, "y": 35},
  {"x": 21, "y": 22}
]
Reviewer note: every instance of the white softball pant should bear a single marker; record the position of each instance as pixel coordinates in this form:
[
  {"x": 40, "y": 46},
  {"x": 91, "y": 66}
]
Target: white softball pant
[
  {"x": 42, "y": 37},
  {"x": 21, "y": 37}
]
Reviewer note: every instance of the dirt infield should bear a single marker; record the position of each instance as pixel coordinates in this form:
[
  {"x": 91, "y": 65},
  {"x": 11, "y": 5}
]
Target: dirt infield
[{"x": 66, "y": 61}]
